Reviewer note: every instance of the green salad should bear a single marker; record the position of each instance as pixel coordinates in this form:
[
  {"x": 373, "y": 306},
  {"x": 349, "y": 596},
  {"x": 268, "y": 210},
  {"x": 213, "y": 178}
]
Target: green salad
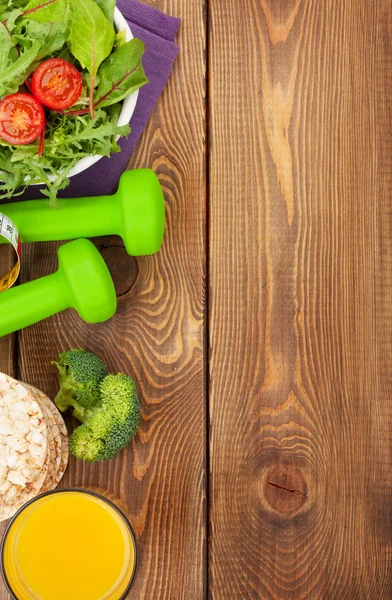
[{"x": 64, "y": 73}]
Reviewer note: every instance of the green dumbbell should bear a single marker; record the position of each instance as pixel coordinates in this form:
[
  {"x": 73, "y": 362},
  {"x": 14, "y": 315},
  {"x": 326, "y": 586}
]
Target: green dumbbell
[
  {"x": 136, "y": 212},
  {"x": 82, "y": 282}
]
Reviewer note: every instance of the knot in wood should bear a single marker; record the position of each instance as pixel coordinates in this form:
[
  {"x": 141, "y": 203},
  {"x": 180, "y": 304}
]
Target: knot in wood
[{"x": 285, "y": 488}]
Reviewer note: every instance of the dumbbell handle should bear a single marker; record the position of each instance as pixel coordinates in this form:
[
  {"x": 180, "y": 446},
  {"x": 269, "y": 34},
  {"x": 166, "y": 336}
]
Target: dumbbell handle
[
  {"x": 76, "y": 217},
  {"x": 24, "y": 305}
]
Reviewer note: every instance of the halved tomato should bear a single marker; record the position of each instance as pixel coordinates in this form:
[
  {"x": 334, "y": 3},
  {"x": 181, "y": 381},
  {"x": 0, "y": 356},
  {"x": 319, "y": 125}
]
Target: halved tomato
[
  {"x": 57, "y": 84},
  {"x": 22, "y": 119}
]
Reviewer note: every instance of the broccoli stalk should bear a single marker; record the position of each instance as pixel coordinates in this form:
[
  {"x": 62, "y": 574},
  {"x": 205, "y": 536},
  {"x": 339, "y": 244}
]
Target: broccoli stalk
[
  {"x": 107, "y": 427},
  {"x": 81, "y": 374}
]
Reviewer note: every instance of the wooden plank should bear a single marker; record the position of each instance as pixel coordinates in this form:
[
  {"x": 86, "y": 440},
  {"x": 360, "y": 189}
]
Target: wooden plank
[
  {"x": 157, "y": 337},
  {"x": 8, "y": 357},
  {"x": 300, "y": 285},
  {"x": 7, "y": 344}
]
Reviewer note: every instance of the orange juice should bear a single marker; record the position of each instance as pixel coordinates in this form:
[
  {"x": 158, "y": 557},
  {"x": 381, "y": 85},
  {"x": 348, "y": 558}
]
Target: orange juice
[{"x": 69, "y": 545}]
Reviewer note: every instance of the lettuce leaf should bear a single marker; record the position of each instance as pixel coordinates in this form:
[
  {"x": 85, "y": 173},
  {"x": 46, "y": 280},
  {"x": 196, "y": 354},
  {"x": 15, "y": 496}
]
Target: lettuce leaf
[
  {"x": 121, "y": 74},
  {"x": 107, "y": 7},
  {"x": 46, "y": 11},
  {"x": 92, "y": 38}
]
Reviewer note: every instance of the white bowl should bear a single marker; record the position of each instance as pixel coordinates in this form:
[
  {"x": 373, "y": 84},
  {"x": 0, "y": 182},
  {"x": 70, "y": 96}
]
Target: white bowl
[{"x": 128, "y": 106}]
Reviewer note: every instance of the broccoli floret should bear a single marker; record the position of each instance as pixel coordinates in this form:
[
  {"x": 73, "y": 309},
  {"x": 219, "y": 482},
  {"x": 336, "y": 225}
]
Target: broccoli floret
[
  {"x": 110, "y": 426},
  {"x": 81, "y": 374},
  {"x": 83, "y": 444}
]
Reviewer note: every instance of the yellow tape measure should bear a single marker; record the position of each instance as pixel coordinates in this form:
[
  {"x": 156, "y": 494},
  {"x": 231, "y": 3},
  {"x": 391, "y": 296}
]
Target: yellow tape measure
[{"x": 9, "y": 231}]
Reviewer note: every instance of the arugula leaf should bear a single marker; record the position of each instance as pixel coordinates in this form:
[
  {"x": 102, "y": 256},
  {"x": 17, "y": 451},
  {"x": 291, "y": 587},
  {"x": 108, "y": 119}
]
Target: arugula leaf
[
  {"x": 91, "y": 38},
  {"x": 11, "y": 18},
  {"x": 55, "y": 38},
  {"x": 6, "y": 44},
  {"x": 16, "y": 72},
  {"x": 46, "y": 11},
  {"x": 107, "y": 7},
  {"x": 121, "y": 74},
  {"x": 52, "y": 36}
]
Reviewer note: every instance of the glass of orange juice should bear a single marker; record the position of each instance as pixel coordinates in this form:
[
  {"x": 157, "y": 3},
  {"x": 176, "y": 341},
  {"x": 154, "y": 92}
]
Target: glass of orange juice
[{"x": 69, "y": 544}]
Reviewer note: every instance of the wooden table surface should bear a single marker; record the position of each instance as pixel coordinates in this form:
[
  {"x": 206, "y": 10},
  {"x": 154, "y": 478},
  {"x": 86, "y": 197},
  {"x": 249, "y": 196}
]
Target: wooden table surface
[{"x": 261, "y": 335}]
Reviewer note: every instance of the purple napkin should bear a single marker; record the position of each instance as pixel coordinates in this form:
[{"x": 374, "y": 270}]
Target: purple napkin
[{"x": 158, "y": 32}]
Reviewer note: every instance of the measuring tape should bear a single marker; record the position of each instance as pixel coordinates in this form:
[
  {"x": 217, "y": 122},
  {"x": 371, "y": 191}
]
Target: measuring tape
[{"x": 9, "y": 231}]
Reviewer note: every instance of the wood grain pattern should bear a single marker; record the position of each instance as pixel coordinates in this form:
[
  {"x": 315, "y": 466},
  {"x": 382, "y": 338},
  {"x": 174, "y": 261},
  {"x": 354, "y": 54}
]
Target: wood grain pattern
[
  {"x": 7, "y": 344},
  {"x": 300, "y": 290},
  {"x": 8, "y": 354},
  {"x": 157, "y": 337}
]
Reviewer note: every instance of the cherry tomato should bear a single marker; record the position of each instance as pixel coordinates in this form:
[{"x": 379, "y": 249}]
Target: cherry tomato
[
  {"x": 22, "y": 119},
  {"x": 57, "y": 84}
]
